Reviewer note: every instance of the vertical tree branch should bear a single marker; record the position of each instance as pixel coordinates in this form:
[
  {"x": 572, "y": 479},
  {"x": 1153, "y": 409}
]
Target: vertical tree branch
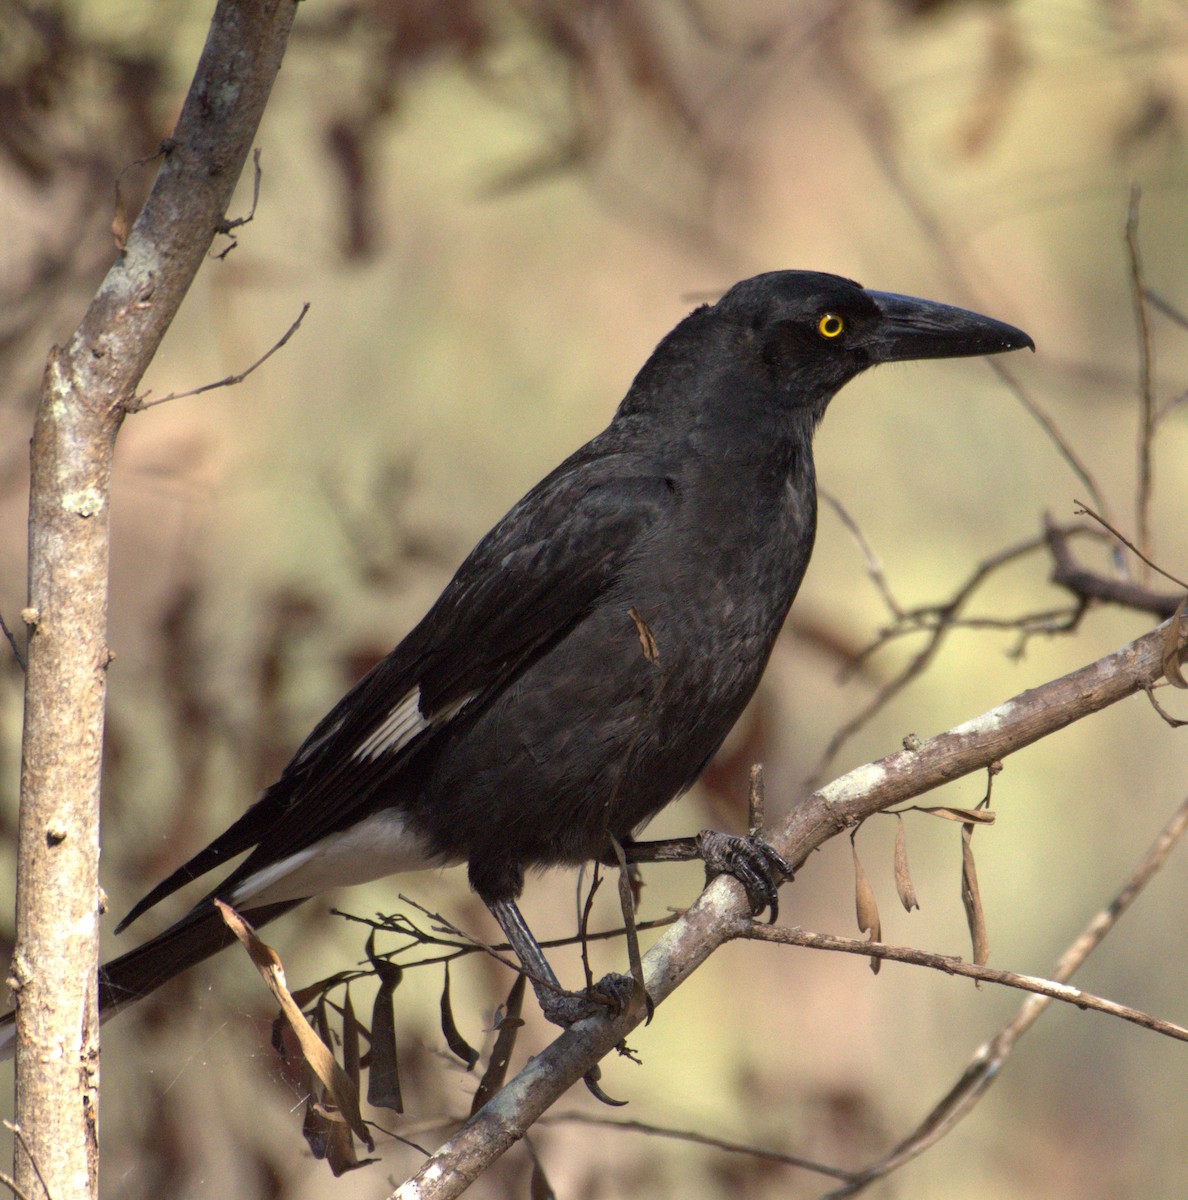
[{"x": 87, "y": 385}]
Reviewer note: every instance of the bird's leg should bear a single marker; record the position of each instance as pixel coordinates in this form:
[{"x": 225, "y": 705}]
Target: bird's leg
[
  {"x": 750, "y": 860},
  {"x": 611, "y": 994}
]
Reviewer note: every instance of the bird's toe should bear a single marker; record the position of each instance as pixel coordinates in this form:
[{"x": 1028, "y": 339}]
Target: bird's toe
[
  {"x": 609, "y": 997},
  {"x": 756, "y": 865}
]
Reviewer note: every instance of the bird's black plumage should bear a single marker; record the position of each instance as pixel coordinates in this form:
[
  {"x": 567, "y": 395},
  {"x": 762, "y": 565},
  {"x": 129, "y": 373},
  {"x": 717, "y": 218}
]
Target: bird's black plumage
[{"x": 595, "y": 648}]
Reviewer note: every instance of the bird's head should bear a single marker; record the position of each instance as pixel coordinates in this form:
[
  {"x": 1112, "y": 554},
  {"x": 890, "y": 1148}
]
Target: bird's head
[
  {"x": 814, "y": 332},
  {"x": 792, "y": 338}
]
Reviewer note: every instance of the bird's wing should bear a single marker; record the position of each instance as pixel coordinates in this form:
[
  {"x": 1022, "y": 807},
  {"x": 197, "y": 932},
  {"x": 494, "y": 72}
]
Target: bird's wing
[{"x": 523, "y": 588}]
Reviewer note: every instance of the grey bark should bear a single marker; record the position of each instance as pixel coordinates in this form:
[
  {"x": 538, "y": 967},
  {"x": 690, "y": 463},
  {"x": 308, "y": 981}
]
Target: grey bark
[{"x": 88, "y": 385}]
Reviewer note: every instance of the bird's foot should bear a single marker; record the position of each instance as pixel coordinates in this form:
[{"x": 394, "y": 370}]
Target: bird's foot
[
  {"x": 609, "y": 997},
  {"x": 751, "y": 861}
]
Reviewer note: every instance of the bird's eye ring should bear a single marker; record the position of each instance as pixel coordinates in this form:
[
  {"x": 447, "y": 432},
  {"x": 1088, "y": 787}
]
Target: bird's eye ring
[{"x": 830, "y": 325}]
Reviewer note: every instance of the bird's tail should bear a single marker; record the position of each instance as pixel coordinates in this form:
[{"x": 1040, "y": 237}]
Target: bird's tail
[{"x": 201, "y": 933}]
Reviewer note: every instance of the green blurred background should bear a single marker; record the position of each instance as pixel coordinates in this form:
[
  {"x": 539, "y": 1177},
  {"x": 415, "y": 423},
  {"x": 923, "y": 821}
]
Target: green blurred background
[{"x": 495, "y": 210}]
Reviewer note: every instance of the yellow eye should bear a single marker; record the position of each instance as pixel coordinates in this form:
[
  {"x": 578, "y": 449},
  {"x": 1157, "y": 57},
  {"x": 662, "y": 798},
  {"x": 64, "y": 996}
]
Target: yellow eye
[{"x": 830, "y": 325}]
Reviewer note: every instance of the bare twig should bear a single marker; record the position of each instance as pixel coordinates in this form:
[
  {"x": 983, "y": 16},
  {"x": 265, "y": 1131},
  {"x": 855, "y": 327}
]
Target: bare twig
[
  {"x": 1166, "y": 307},
  {"x": 1147, "y": 418},
  {"x": 697, "y": 1139},
  {"x": 1063, "y": 446},
  {"x": 226, "y": 226},
  {"x": 1174, "y": 722},
  {"x": 140, "y": 403},
  {"x": 1082, "y": 507},
  {"x": 874, "y": 567},
  {"x": 10, "y": 1183},
  {"x": 876, "y": 121},
  {"x": 984, "y": 1068},
  {"x": 1049, "y": 988},
  {"x": 17, "y": 1133},
  {"x": 1088, "y": 585},
  {"x": 946, "y": 620},
  {"x": 16, "y": 650}
]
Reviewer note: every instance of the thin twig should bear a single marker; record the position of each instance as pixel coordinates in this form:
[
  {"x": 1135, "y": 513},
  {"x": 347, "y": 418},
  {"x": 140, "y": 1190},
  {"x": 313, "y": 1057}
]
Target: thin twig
[
  {"x": 1048, "y": 988},
  {"x": 947, "y": 616},
  {"x": 985, "y": 1065},
  {"x": 10, "y": 1183},
  {"x": 1174, "y": 722},
  {"x": 225, "y": 227},
  {"x": 1087, "y": 586},
  {"x": 874, "y": 567},
  {"x": 139, "y": 404},
  {"x": 1147, "y": 420},
  {"x": 1084, "y": 508},
  {"x": 1166, "y": 307},
  {"x": 1055, "y": 436},
  {"x": 16, "y": 650},
  {"x": 17, "y": 1133},
  {"x": 697, "y": 1139}
]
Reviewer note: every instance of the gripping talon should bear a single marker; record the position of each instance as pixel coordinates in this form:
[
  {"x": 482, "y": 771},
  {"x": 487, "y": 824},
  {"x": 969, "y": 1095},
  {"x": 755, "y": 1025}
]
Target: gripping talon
[{"x": 756, "y": 865}]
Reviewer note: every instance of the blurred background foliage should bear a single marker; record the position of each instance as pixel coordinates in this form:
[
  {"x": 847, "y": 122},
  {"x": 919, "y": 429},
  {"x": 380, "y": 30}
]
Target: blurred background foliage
[{"x": 496, "y": 208}]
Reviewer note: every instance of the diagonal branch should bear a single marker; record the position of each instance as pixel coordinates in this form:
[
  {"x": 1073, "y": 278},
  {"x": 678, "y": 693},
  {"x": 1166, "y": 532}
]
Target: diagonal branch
[{"x": 721, "y": 914}]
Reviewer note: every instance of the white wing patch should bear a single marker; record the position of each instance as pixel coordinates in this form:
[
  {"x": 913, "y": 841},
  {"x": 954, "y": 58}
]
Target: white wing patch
[
  {"x": 381, "y": 844},
  {"x": 403, "y": 723},
  {"x": 397, "y": 729}
]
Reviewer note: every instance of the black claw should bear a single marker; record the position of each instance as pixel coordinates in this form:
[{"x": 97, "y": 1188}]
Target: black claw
[
  {"x": 591, "y": 1080},
  {"x": 756, "y": 865}
]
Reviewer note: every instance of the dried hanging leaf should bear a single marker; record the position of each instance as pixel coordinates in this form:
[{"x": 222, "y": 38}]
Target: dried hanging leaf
[
  {"x": 1175, "y": 642},
  {"x": 383, "y": 1072},
  {"x": 866, "y": 905},
  {"x": 539, "y": 1187},
  {"x": 341, "y": 1092},
  {"x": 903, "y": 878},
  {"x": 972, "y": 900},
  {"x": 329, "y": 1137},
  {"x": 350, "y": 1040},
  {"x": 505, "y": 1043},
  {"x": 966, "y": 816},
  {"x": 456, "y": 1042}
]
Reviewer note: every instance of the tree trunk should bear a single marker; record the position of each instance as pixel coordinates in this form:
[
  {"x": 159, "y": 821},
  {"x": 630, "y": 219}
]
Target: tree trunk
[{"x": 88, "y": 386}]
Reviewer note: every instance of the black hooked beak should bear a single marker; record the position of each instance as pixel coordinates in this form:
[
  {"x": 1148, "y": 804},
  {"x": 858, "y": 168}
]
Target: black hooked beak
[{"x": 914, "y": 328}]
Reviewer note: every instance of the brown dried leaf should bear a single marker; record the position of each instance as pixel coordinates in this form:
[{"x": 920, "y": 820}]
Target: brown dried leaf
[
  {"x": 866, "y": 905},
  {"x": 329, "y": 1137},
  {"x": 339, "y": 1089},
  {"x": 972, "y": 900},
  {"x": 1175, "y": 642},
  {"x": 966, "y": 816},
  {"x": 505, "y": 1043},
  {"x": 903, "y": 878},
  {"x": 383, "y": 1073},
  {"x": 539, "y": 1188},
  {"x": 456, "y": 1042},
  {"x": 350, "y": 1040}
]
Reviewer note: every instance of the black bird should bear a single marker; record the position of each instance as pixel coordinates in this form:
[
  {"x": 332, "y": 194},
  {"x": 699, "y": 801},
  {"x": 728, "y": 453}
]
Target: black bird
[{"x": 594, "y": 649}]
